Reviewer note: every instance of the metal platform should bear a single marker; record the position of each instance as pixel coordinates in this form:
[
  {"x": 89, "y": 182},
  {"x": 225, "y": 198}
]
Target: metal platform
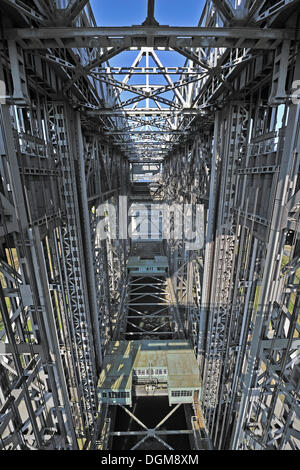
[{"x": 149, "y": 368}]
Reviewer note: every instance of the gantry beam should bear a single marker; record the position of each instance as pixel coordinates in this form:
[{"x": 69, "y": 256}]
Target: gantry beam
[
  {"x": 238, "y": 297},
  {"x": 74, "y": 8},
  {"x": 148, "y": 70},
  {"x": 145, "y": 36},
  {"x": 165, "y": 112},
  {"x": 151, "y": 133}
]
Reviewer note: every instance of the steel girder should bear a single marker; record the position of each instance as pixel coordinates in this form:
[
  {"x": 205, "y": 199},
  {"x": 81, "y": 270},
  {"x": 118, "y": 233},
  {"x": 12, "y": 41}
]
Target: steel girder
[
  {"x": 146, "y": 36},
  {"x": 246, "y": 222},
  {"x": 35, "y": 397},
  {"x": 240, "y": 295},
  {"x": 51, "y": 175},
  {"x": 277, "y": 316}
]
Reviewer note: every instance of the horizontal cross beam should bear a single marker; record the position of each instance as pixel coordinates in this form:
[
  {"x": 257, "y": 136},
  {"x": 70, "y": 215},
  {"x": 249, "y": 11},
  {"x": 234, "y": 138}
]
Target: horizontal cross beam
[
  {"x": 143, "y": 112},
  {"x": 145, "y": 132},
  {"x": 148, "y": 71},
  {"x": 143, "y": 162},
  {"x": 21, "y": 348},
  {"x": 145, "y": 433}
]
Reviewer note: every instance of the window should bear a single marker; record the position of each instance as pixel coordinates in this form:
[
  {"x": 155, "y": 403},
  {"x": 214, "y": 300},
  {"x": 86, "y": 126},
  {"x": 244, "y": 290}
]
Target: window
[
  {"x": 149, "y": 371},
  {"x": 139, "y": 372},
  {"x": 186, "y": 393},
  {"x": 118, "y": 394},
  {"x": 182, "y": 393},
  {"x": 104, "y": 394}
]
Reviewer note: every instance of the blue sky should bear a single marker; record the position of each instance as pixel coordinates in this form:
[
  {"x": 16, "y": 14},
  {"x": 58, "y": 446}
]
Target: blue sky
[
  {"x": 129, "y": 12},
  {"x": 134, "y": 12}
]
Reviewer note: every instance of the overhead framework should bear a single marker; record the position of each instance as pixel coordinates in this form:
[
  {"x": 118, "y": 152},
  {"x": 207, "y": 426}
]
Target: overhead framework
[{"x": 217, "y": 138}]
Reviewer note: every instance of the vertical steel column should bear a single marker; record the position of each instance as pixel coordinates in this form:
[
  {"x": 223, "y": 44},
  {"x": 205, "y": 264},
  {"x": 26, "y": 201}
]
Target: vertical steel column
[
  {"x": 75, "y": 281},
  {"x": 209, "y": 247},
  {"x": 87, "y": 243}
]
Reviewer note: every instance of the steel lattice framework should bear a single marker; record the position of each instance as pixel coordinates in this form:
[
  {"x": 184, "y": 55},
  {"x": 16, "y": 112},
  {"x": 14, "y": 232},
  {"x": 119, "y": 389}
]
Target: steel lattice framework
[{"x": 221, "y": 130}]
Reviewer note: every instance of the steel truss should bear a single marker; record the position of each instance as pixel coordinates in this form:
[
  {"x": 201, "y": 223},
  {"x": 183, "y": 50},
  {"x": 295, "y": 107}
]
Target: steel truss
[
  {"x": 154, "y": 433},
  {"x": 147, "y": 313},
  {"x": 53, "y": 178}
]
